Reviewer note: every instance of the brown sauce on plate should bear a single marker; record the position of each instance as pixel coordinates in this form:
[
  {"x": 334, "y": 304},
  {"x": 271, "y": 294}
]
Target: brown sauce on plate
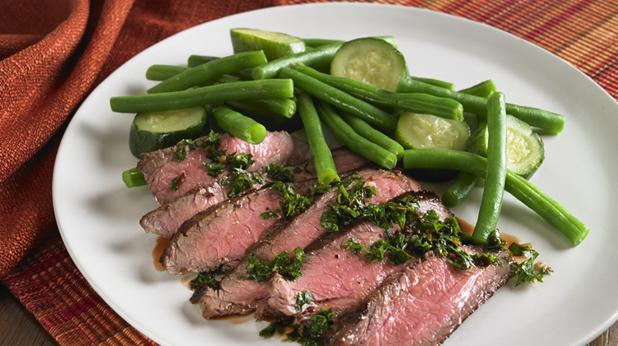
[
  {"x": 468, "y": 228},
  {"x": 160, "y": 246}
]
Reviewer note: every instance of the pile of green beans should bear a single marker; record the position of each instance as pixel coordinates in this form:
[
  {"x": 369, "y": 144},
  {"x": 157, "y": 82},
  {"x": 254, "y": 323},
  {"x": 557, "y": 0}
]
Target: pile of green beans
[
  {"x": 344, "y": 101},
  {"x": 567, "y": 224},
  {"x": 414, "y": 102},
  {"x": 322, "y": 156},
  {"x": 548, "y": 122},
  {"x": 357, "y": 143}
]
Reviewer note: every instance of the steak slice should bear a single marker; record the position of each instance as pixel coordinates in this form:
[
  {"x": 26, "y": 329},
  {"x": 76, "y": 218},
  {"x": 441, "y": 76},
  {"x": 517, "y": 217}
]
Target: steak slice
[
  {"x": 239, "y": 295},
  {"x": 337, "y": 278},
  {"x": 423, "y": 304},
  {"x": 219, "y": 237},
  {"x": 160, "y": 167},
  {"x": 168, "y": 218}
]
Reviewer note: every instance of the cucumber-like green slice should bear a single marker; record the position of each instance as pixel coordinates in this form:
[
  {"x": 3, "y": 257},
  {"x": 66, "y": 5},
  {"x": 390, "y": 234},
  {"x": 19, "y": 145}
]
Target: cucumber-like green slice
[
  {"x": 416, "y": 131},
  {"x": 155, "y": 130},
  {"x": 524, "y": 147},
  {"x": 274, "y": 44},
  {"x": 370, "y": 60}
]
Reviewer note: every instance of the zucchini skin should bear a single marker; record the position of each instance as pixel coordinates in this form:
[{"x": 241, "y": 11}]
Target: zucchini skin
[{"x": 142, "y": 141}]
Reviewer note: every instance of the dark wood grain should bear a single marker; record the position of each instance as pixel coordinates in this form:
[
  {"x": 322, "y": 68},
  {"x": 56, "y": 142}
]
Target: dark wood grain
[{"x": 18, "y": 327}]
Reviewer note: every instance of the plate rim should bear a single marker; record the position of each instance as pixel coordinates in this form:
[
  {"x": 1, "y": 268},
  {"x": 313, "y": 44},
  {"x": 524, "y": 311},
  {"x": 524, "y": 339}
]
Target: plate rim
[{"x": 55, "y": 196}]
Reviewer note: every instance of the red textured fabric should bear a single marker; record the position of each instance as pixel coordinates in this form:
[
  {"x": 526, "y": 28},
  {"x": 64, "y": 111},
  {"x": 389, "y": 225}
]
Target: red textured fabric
[{"x": 53, "y": 52}]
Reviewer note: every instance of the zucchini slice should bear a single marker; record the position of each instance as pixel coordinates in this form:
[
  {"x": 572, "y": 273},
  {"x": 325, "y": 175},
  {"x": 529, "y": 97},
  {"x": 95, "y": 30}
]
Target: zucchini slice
[
  {"x": 524, "y": 147},
  {"x": 274, "y": 44},
  {"x": 156, "y": 130},
  {"x": 417, "y": 131},
  {"x": 370, "y": 60}
]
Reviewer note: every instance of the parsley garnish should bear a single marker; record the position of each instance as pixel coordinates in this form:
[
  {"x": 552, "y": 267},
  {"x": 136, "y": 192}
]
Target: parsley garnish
[
  {"x": 182, "y": 148},
  {"x": 407, "y": 235},
  {"x": 309, "y": 333},
  {"x": 206, "y": 279},
  {"x": 269, "y": 214},
  {"x": 289, "y": 267},
  {"x": 276, "y": 172},
  {"x": 215, "y": 168},
  {"x": 529, "y": 270},
  {"x": 350, "y": 204},
  {"x": 303, "y": 300},
  {"x": 240, "y": 180},
  {"x": 239, "y": 161},
  {"x": 292, "y": 202}
]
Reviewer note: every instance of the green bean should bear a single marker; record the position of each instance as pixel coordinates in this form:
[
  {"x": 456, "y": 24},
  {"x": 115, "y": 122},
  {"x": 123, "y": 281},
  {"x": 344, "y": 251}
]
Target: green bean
[
  {"x": 482, "y": 89},
  {"x": 235, "y": 91},
  {"x": 357, "y": 143},
  {"x": 371, "y": 134},
  {"x": 418, "y": 103},
  {"x": 436, "y": 82},
  {"x": 277, "y": 107},
  {"x": 491, "y": 203},
  {"x": 322, "y": 156},
  {"x": 195, "y": 60},
  {"x": 238, "y": 125},
  {"x": 132, "y": 177},
  {"x": 314, "y": 57},
  {"x": 341, "y": 100},
  {"x": 319, "y": 42},
  {"x": 459, "y": 189},
  {"x": 162, "y": 72},
  {"x": 548, "y": 122},
  {"x": 210, "y": 71},
  {"x": 567, "y": 224}
]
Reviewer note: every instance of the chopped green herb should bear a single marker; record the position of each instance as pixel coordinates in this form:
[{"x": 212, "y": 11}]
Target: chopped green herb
[
  {"x": 350, "y": 204},
  {"x": 289, "y": 267},
  {"x": 277, "y": 327},
  {"x": 276, "y": 172},
  {"x": 210, "y": 142},
  {"x": 292, "y": 203},
  {"x": 206, "y": 279},
  {"x": 529, "y": 270},
  {"x": 176, "y": 182},
  {"x": 240, "y": 161},
  {"x": 309, "y": 333},
  {"x": 182, "y": 148},
  {"x": 240, "y": 181},
  {"x": 215, "y": 168},
  {"x": 269, "y": 214},
  {"x": 303, "y": 300}
]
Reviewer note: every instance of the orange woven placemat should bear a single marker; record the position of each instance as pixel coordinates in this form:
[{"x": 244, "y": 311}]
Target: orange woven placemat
[{"x": 583, "y": 32}]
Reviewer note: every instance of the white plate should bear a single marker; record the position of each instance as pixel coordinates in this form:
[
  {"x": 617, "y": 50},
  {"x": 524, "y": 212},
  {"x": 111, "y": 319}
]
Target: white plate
[{"x": 98, "y": 217}]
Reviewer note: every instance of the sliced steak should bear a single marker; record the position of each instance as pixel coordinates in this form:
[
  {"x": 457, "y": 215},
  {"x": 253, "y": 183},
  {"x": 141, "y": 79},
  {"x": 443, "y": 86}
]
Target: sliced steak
[
  {"x": 160, "y": 167},
  {"x": 239, "y": 295},
  {"x": 166, "y": 219},
  {"x": 337, "y": 278},
  {"x": 219, "y": 237},
  {"x": 421, "y": 305}
]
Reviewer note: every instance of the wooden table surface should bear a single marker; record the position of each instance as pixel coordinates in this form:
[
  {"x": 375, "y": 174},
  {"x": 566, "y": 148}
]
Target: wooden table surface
[{"x": 18, "y": 327}]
